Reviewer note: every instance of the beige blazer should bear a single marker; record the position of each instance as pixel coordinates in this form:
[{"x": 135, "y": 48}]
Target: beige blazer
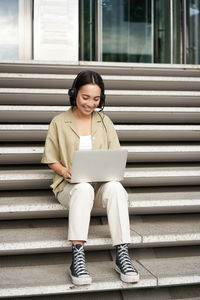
[{"x": 63, "y": 138}]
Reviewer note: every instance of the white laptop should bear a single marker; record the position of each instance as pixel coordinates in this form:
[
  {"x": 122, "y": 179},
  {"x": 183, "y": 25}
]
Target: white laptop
[{"x": 98, "y": 165}]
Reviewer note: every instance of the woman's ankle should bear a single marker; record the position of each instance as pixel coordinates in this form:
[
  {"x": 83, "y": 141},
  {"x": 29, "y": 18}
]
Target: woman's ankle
[{"x": 78, "y": 242}]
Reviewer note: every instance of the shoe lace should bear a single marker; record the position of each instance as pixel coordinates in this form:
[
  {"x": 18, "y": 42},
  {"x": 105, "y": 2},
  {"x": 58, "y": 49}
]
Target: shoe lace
[
  {"x": 79, "y": 262},
  {"x": 124, "y": 259}
]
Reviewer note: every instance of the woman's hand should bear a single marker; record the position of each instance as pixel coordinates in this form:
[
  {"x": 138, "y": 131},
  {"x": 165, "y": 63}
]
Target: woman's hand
[
  {"x": 66, "y": 173},
  {"x": 61, "y": 170}
]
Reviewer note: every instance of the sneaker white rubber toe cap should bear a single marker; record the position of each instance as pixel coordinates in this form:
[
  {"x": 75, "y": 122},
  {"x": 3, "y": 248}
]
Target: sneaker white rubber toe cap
[
  {"x": 130, "y": 277},
  {"x": 81, "y": 280}
]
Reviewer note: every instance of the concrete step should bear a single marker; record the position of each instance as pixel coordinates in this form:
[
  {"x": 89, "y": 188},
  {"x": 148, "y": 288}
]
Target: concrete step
[
  {"x": 162, "y": 174},
  {"x": 104, "y": 68},
  {"x": 50, "y": 235},
  {"x": 144, "y": 133},
  {"x": 35, "y": 275},
  {"x": 28, "y": 96},
  {"x": 32, "y": 153},
  {"x": 146, "y": 200},
  {"x": 158, "y": 132},
  {"x": 39, "y": 177},
  {"x": 113, "y": 82},
  {"x": 21, "y": 153},
  {"x": 165, "y": 152},
  {"x": 187, "y": 292},
  {"x": 138, "y": 115}
]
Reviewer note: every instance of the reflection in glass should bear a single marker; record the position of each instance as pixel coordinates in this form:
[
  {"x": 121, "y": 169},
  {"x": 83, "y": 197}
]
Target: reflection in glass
[
  {"x": 193, "y": 32},
  {"x": 177, "y": 55},
  {"x": 140, "y": 31},
  {"x": 87, "y": 29},
  {"x": 162, "y": 31},
  {"x": 127, "y": 30},
  {"x": 9, "y": 42}
]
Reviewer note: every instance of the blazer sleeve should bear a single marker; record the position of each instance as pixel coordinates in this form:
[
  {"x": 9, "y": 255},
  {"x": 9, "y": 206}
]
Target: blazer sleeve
[
  {"x": 113, "y": 140},
  {"x": 51, "y": 149}
]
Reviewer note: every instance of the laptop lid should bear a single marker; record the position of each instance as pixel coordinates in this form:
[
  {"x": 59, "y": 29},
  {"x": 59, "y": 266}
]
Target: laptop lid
[{"x": 98, "y": 165}]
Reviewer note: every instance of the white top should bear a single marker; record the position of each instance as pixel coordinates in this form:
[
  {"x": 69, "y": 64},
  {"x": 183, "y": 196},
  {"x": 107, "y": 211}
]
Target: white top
[{"x": 85, "y": 142}]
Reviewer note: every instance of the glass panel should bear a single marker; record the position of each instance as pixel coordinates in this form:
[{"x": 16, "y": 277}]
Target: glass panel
[
  {"x": 9, "y": 40},
  {"x": 162, "y": 31},
  {"x": 87, "y": 29},
  {"x": 127, "y": 30},
  {"x": 193, "y": 32},
  {"x": 177, "y": 55}
]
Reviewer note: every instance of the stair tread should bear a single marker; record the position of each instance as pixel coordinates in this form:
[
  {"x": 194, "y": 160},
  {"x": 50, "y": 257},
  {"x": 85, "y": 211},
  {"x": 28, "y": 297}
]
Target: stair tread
[
  {"x": 24, "y": 149},
  {"x": 128, "y": 114},
  {"x": 8, "y": 149},
  {"x": 164, "y": 293},
  {"x": 129, "y": 127},
  {"x": 32, "y": 154},
  {"x": 137, "y": 132},
  {"x": 135, "y": 175},
  {"x": 15, "y": 153},
  {"x": 45, "y": 96},
  {"x": 164, "y": 228},
  {"x": 121, "y": 109},
  {"x": 111, "y": 81},
  {"x": 105, "y": 77},
  {"x": 172, "y": 271},
  {"x": 103, "y": 67},
  {"x": 50, "y": 234},
  {"x": 17, "y": 204},
  {"x": 108, "y": 92},
  {"x": 39, "y": 235},
  {"x": 132, "y": 170},
  {"x": 52, "y": 278}
]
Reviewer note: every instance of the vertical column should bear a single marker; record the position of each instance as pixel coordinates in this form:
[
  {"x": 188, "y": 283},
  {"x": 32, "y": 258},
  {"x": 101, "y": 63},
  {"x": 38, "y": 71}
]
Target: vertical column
[
  {"x": 171, "y": 33},
  {"x": 98, "y": 31},
  {"x": 184, "y": 32},
  {"x": 56, "y": 30},
  {"x": 25, "y": 29}
]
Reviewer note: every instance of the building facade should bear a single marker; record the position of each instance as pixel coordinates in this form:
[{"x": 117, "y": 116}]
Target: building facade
[{"x": 145, "y": 31}]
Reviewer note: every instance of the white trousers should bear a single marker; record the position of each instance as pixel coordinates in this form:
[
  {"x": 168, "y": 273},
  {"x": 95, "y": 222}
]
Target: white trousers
[{"x": 81, "y": 197}]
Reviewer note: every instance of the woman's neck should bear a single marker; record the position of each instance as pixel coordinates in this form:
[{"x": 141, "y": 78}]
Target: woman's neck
[{"x": 83, "y": 123}]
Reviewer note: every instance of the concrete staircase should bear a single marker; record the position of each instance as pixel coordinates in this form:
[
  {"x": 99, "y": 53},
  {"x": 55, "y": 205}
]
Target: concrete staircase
[{"x": 156, "y": 111}]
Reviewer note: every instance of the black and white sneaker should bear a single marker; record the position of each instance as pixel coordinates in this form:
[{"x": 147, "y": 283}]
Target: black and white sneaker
[
  {"x": 123, "y": 266},
  {"x": 79, "y": 273}
]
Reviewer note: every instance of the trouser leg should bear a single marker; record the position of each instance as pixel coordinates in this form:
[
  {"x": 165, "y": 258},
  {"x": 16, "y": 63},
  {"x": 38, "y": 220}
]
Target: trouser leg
[
  {"x": 113, "y": 196},
  {"x": 79, "y": 198}
]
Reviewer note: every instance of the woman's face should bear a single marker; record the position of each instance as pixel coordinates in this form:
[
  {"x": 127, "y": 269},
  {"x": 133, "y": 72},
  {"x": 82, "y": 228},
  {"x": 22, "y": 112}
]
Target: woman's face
[{"x": 88, "y": 98}]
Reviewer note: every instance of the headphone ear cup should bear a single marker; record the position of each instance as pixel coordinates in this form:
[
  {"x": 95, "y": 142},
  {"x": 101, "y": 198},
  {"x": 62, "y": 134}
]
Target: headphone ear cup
[{"x": 72, "y": 95}]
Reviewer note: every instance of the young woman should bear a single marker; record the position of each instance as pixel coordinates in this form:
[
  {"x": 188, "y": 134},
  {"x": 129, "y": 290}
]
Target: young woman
[{"x": 82, "y": 127}]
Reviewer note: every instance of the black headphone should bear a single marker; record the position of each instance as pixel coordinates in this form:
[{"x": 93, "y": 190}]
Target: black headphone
[{"x": 72, "y": 92}]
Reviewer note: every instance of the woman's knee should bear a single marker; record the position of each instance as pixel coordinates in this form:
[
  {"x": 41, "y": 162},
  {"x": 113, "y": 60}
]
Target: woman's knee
[
  {"x": 114, "y": 192},
  {"x": 115, "y": 187},
  {"x": 83, "y": 193},
  {"x": 84, "y": 188},
  {"x": 80, "y": 192}
]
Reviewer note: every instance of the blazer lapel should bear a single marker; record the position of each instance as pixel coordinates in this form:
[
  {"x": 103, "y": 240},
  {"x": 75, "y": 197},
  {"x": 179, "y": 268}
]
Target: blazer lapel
[
  {"x": 71, "y": 122},
  {"x": 96, "y": 120}
]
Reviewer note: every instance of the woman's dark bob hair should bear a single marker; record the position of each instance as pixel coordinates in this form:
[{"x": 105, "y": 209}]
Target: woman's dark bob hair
[{"x": 86, "y": 77}]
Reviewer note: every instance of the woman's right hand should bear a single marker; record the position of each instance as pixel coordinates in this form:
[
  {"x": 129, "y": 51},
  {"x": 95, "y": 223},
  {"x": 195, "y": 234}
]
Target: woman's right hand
[
  {"x": 61, "y": 170},
  {"x": 66, "y": 173}
]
